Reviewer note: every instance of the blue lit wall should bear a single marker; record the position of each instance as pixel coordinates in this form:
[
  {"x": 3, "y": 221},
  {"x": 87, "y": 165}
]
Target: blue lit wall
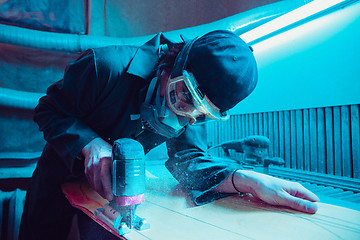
[
  {"x": 313, "y": 65},
  {"x": 307, "y": 101}
]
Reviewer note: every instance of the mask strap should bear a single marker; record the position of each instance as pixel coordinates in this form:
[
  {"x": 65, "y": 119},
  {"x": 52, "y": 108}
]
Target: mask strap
[
  {"x": 160, "y": 103},
  {"x": 151, "y": 89}
]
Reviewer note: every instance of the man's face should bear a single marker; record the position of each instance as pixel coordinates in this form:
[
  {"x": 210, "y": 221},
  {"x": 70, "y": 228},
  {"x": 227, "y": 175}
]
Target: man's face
[
  {"x": 181, "y": 103},
  {"x": 185, "y": 99}
]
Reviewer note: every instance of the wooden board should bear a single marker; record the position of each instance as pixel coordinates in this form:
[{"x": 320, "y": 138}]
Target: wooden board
[{"x": 172, "y": 216}]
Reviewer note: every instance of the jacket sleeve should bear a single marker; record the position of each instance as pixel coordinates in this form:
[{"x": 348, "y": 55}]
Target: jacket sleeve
[
  {"x": 59, "y": 114},
  {"x": 196, "y": 170}
]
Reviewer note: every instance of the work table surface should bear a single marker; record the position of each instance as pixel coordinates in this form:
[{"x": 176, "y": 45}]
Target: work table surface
[{"x": 173, "y": 216}]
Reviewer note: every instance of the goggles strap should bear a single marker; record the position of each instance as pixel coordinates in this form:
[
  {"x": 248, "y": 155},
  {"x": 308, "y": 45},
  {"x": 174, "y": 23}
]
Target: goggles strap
[{"x": 181, "y": 59}]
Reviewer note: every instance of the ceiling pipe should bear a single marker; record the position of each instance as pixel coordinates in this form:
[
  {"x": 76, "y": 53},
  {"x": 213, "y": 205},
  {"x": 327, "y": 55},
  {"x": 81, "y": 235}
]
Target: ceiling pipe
[
  {"x": 77, "y": 43},
  {"x": 24, "y": 37},
  {"x": 10, "y": 98}
]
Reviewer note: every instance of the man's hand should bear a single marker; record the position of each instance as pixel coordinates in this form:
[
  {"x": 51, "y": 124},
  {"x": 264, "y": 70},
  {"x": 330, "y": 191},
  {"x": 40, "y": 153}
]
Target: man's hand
[
  {"x": 98, "y": 162},
  {"x": 276, "y": 191}
]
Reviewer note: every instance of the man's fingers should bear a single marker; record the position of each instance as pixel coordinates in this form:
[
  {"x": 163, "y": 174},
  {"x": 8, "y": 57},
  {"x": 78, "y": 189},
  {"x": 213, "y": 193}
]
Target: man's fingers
[
  {"x": 304, "y": 193},
  {"x": 90, "y": 173},
  {"x": 300, "y": 204},
  {"x": 308, "y": 195},
  {"x": 97, "y": 163},
  {"x": 96, "y": 179},
  {"x": 106, "y": 179}
]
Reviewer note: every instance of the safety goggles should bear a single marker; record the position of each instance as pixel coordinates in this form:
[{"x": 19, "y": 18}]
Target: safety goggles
[{"x": 186, "y": 99}]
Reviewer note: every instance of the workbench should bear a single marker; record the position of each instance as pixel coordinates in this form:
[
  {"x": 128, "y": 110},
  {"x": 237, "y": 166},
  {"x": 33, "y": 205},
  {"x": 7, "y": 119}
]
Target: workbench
[{"x": 173, "y": 216}]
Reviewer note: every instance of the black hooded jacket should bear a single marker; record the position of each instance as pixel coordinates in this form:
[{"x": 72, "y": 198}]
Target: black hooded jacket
[{"x": 100, "y": 96}]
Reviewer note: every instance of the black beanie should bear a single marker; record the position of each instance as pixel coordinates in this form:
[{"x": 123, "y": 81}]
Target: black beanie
[{"x": 224, "y": 67}]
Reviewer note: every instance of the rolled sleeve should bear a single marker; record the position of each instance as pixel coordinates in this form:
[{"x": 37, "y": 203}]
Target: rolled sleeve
[{"x": 197, "y": 171}]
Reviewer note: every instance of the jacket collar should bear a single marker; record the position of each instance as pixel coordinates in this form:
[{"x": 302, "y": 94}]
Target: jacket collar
[{"x": 147, "y": 56}]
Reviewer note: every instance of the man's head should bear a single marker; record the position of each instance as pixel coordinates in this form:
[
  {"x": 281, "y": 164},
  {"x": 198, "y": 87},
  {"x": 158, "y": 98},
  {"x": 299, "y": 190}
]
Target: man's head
[{"x": 211, "y": 75}]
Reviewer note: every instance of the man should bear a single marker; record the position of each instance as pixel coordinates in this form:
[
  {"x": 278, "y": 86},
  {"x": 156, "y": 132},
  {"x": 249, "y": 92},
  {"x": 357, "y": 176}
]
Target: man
[{"x": 159, "y": 92}]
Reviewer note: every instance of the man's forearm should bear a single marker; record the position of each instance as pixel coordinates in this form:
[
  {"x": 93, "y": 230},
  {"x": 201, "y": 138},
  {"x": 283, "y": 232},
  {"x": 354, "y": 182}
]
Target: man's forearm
[
  {"x": 274, "y": 191},
  {"x": 239, "y": 181}
]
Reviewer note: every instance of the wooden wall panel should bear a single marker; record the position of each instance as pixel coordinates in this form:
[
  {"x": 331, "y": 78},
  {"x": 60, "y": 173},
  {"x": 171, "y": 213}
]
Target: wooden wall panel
[
  {"x": 287, "y": 138},
  {"x": 271, "y": 133},
  {"x": 256, "y": 124},
  {"x": 324, "y": 140},
  {"x": 355, "y": 140},
  {"x": 321, "y": 140},
  {"x": 265, "y": 122},
  {"x": 243, "y": 125},
  {"x": 306, "y": 129},
  {"x": 281, "y": 136},
  {"x": 276, "y": 143},
  {"x": 337, "y": 142},
  {"x": 233, "y": 127},
  {"x": 313, "y": 140},
  {"x": 293, "y": 143},
  {"x": 251, "y": 123},
  {"x": 225, "y": 130},
  {"x": 237, "y": 127},
  {"x": 261, "y": 126},
  {"x": 299, "y": 139},
  {"x": 345, "y": 141},
  {"x": 329, "y": 132}
]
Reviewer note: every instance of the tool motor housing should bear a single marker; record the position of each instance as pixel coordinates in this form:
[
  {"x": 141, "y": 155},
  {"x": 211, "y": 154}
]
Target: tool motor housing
[{"x": 128, "y": 168}]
